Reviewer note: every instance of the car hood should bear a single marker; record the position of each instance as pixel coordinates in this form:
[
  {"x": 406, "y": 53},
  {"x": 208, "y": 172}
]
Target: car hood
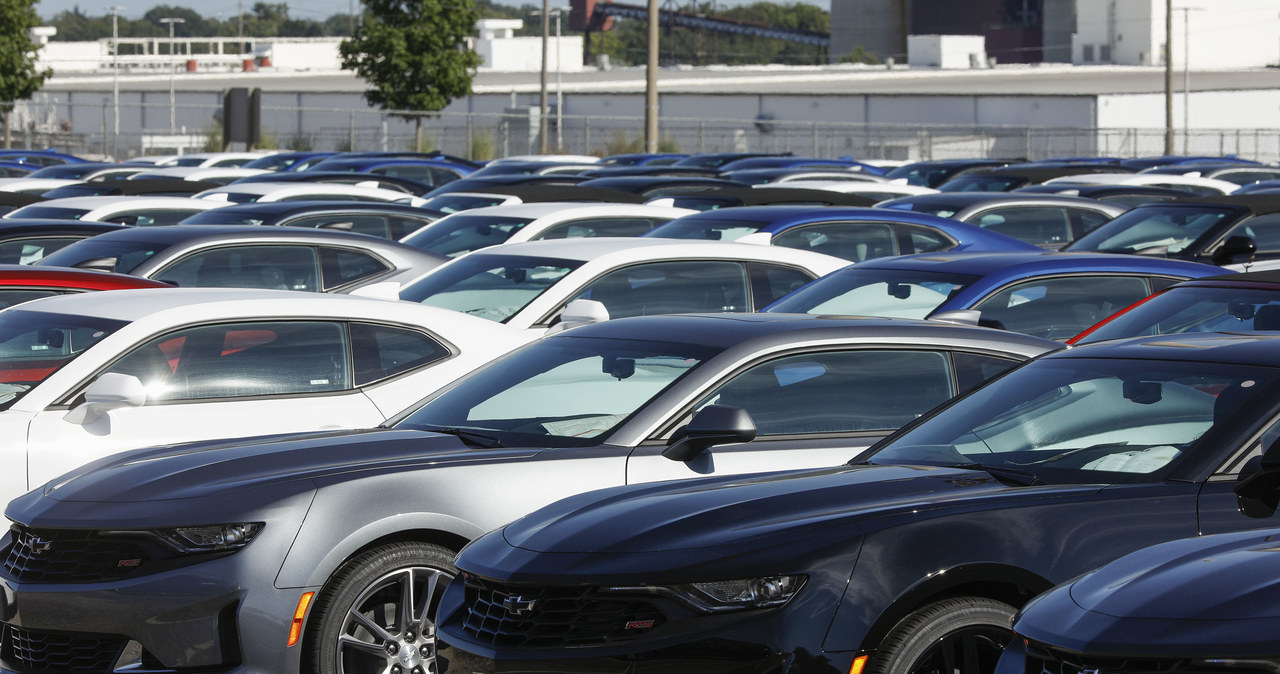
[
  {"x": 202, "y": 469},
  {"x": 736, "y": 509},
  {"x": 1231, "y": 577}
]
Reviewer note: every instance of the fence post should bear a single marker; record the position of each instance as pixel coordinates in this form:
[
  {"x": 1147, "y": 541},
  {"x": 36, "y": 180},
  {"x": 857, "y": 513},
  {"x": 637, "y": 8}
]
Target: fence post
[
  {"x": 471, "y": 143},
  {"x": 382, "y": 142},
  {"x": 351, "y": 131},
  {"x": 104, "y": 127},
  {"x": 702, "y": 137},
  {"x": 586, "y": 132},
  {"x": 815, "y": 139}
]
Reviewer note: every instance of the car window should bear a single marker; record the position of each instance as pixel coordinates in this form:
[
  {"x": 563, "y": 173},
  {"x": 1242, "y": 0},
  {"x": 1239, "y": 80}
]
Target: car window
[
  {"x": 152, "y": 217},
  {"x": 278, "y": 267},
  {"x": 671, "y": 288},
  {"x": 241, "y": 359},
  {"x": 973, "y": 369},
  {"x": 926, "y": 239},
  {"x": 589, "y": 227},
  {"x": 401, "y": 225},
  {"x": 856, "y": 241},
  {"x": 865, "y": 390},
  {"x": 383, "y": 351},
  {"x": 343, "y": 265},
  {"x": 373, "y": 225},
  {"x": 493, "y": 287},
  {"x": 770, "y": 282},
  {"x": 1040, "y": 225},
  {"x": 1263, "y": 229},
  {"x": 1060, "y": 308},
  {"x": 12, "y": 296},
  {"x": 29, "y": 251}
]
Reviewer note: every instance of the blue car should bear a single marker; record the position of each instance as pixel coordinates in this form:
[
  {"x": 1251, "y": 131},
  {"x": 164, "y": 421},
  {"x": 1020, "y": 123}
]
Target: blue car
[
  {"x": 427, "y": 171},
  {"x": 288, "y": 161},
  {"x": 39, "y": 157},
  {"x": 1052, "y": 295},
  {"x": 854, "y": 234}
]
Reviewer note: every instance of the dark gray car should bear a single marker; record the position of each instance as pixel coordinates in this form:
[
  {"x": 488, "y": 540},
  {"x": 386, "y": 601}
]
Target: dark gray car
[{"x": 325, "y": 553}]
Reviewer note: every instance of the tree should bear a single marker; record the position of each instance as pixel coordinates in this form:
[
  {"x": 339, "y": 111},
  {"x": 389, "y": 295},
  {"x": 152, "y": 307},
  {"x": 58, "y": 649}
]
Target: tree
[
  {"x": 18, "y": 75},
  {"x": 413, "y": 53}
]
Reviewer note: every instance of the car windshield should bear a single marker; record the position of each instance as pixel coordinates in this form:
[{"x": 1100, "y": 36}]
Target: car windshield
[
  {"x": 454, "y": 203},
  {"x": 1081, "y": 420},
  {"x": 1155, "y": 229},
  {"x": 34, "y": 345},
  {"x": 708, "y": 229},
  {"x": 48, "y": 212},
  {"x": 890, "y": 293},
  {"x": 559, "y": 392},
  {"x": 118, "y": 256},
  {"x": 495, "y": 287},
  {"x": 462, "y": 233},
  {"x": 1195, "y": 309}
]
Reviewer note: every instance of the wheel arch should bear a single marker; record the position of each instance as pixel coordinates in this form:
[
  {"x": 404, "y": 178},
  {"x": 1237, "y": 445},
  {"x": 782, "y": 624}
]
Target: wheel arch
[{"x": 1010, "y": 584}]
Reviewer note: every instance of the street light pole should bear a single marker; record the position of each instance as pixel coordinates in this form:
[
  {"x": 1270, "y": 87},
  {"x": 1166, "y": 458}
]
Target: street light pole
[
  {"x": 651, "y": 81},
  {"x": 1168, "y": 77},
  {"x": 173, "y": 107},
  {"x": 1186, "y": 76},
  {"x": 559, "y": 98},
  {"x": 115, "y": 79},
  {"x": 542, "y": 99}
]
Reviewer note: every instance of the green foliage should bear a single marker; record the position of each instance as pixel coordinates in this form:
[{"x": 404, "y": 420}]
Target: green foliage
[
  {"x": 413, "y": 52},
  {"x": 213, "y": 137},
  {"x": 18, "y": 75},
  {"x": 622, "y": 143},
  {"x": 301, "y": 142},
  {"x": 484, "y": 145},
  {"x": 860, "y": 54},
  {"x": 267, "y": 140}
]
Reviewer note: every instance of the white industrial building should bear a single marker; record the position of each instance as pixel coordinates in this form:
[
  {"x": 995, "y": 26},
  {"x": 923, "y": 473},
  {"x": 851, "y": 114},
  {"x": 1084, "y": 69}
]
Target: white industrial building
[{"x": 1214, "y": 34}]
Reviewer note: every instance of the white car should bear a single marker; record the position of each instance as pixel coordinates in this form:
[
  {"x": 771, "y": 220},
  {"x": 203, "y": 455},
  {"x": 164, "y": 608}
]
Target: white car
[
  {"x": 86, "y": 375},
  {"x": 125, "y": 210},
  {"x": 219, "y": 175},
  {"x": 244, "y": 193},
  {"x": 530, "y": 285},
  {"x": 213, "y": 159},
  {"x": 875, "y": 190},
  {"x": 463, "y": 232},
  {"x": 1202, "y": 186}
]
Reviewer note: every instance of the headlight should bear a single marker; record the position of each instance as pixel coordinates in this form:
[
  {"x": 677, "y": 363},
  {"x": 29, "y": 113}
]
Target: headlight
[
  {"x": 730, "y": 595},
  {"x": 197, "y": 539}
]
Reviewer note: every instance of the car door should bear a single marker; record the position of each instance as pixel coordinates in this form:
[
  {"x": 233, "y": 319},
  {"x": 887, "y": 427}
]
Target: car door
[
  {"x": 819, "y": 408},
  {"x": 228, "y": 379}
]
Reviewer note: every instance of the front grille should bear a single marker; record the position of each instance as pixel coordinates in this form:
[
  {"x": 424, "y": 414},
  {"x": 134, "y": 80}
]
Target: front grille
[
  {"x": 35, "y": 651},
  {"x": 514, "y": 616},
  {"x": 1042, "y": 659},
  {"x": 73, "y": 556}
]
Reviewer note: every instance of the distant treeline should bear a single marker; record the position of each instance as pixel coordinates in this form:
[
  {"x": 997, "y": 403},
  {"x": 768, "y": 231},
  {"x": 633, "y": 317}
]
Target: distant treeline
[{"x": 624, "y": 45}]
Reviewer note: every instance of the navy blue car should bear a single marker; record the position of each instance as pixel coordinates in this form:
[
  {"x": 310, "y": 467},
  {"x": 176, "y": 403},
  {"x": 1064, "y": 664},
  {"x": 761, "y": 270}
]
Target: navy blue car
[
  {"x": 854, "y": 234},
  {"x": 1052, "y": 295},
  {"x": 912, "y": 558}
]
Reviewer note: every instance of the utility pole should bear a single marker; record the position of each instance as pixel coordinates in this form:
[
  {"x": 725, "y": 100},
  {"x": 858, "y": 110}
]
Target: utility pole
[
  {"x": 559, "y": 95},
  {"x": 173, "y": 67},
  {"x": 115, "y": 79},
  {"x": 651, "y": 83},
  {"x": 1186, "y": 76},
  {"x": 542, "y": 91},
  {"x": 1168, "y": 77}
]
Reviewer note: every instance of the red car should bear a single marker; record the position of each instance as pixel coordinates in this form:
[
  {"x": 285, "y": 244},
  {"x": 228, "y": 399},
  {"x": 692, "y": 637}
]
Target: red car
[{"x": 20, "y": 283}]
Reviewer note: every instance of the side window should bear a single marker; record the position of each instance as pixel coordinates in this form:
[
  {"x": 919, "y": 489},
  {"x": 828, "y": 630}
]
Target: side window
[
  {"x": 401, "y": 226},
  {"x": 1263, "y": 229},
  {"x": 1158, "y": 283},
  {"x": 1059, "y": 308},
  {"x": 856, "y": 241},
  {"x": 373, "y": 225},
  {"x": 671, "y": 288},
  {"x": 153, "y": 217},
  {"x": 770, "y": 283},
  {"x": 839, "y": 392},
  {"x": 1040, "y": 225},
  {"x": 1084, "y": 221},
  {"x": 30, "y": 251},
  {"x": 12, "y": 296},
  {"x": 279, "y": 267},
  {"x": 342, "y": 266},
  {"x": 242, "y": 359},
  {"x": 441, "y": 176},
  {"x": 973, "y": 369},
  {"x": 382, "y": 351},
  {"x": 589, "y": 227},
  {"x": 925, "y": 239}
]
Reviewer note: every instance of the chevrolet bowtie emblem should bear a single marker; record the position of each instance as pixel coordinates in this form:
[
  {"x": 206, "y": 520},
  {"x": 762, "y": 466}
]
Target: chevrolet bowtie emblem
[
  {"x": 517, "y": 605},
  {"x": 39, "y": 546}
]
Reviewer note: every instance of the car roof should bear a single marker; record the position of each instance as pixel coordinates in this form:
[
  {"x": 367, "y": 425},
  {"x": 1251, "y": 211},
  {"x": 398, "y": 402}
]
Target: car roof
[
  {"x": 729, "y": 329},
  {"x": 299, "y": 206},
  {"x": 1031, "y": 262},
  {"x": 575, "y": 193},
  {"x": 542, "y": 209},
  {"x": 783, "y": 215},
  {"x": 1252, "y": 278},
  {"x": 23, "y": 274},
  {"x": 95, "y": 203},
  {"x": 52, "y": 226},
  {"x": 172, "y": 234},
  {"x": 967, "y": 199},
  {"x": 1236, "y": 348},
  {"x": 595, "y": 248}
]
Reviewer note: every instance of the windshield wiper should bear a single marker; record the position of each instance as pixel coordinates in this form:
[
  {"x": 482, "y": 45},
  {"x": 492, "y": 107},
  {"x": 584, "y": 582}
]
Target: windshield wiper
[
  {"x": 1022, "y": 478},
  {"x": 471, "y": 438}
]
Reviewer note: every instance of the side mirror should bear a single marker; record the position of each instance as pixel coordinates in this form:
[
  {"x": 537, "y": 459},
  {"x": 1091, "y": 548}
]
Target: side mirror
[
  {"x": 1234, "y": 246},
  {"x": 713, "y": 425},
  {"x": 111, "y": 391},
  {"x": 1258, "y": 488},
  {"x": 580, "y": 312}
]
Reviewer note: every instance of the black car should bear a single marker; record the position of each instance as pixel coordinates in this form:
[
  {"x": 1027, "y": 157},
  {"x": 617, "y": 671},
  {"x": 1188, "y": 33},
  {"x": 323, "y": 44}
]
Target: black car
[
  {"x": 654, "y": 187},
  {"x": 1123, "y": 195},
  {"x": 27, "y": 241},
  {"x": 727, "y": 197},
  {"x": 342, "y": 178},
  {"x": 934, "y": 172},
  {"x": 155, "y": 187},
  {"x": 469, "y": 184},
  {"x": 1233, "y": 230},
  {"x": 1013, "y": 176},
  {"x": 1194, "y": 605},
  {"x": 910, "y": 559},
  {"x": 384, "y": 220}
]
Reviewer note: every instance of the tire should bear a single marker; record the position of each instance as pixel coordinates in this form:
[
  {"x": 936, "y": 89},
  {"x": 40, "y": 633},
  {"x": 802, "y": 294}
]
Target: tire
[
  {"x": 358, "y": 624},
  {"x": 964, "y": 635}
]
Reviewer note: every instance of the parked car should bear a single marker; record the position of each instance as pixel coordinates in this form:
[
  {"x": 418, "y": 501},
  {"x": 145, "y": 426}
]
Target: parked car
[
  {"x": 40, "y": 157},
  {"x": 1228, "y": 303},
  {"x": 213, "y": 159},
  {"x": 715, "y": 160},
  {"x": 1013, "y": 176},
  {"x": 93, "y": 171},
  {"x": 142, "y": 211},
  {"x": 656, "y": 187},
  {"x": 1122, "y": 195},
  {"x": 29, "y": 241},
  {"x": 643, "y": 159},
  {"x": 855, "y": 234},
  {"x": 280, "y": 258},
  {"x": 1200, "y": 185},
  {"x": 505, "y": 195},
  {"x": 217, "y": 175},
  {"x": 84, "y": 376},
  {"x": 409, "y": 187},
  {"x": 12, "y": 201},
  {"x": 1232, "y": 172},
  {"x": 1197, "y": 604},
  {"x": 531, "y": 285},
  {"x": 470, "y": 184},
  {"x": 911, "y": 558},
  {"x": 1238, "y": 232},
  {"x": 480, "y": 228},
  {"x": 881, "y": 191},
  {"x": 934, "y": 172},
  {"x": 23, "y": 283},
  {"x": 387, "y": 221},
  {"x": 774, "y": 176},
  {"x": 429, "y": 172},
  {"x": 243, "y": 193},
  {"x": 1051, "y": 295},
  {"x": 1049, "y": 221},
  {"x": 145, "y": 187},
  {"x": 286, "y": 161},
  {"x": 732, "y": 197},
  {"x": 347, "y": 523}
]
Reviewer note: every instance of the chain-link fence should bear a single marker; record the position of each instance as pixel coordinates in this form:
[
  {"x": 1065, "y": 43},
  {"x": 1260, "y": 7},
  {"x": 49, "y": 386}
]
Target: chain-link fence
[{"x": 145, "y": 129}]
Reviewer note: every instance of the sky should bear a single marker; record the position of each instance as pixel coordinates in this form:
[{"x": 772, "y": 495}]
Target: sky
[{"x": 317, "y": 10}]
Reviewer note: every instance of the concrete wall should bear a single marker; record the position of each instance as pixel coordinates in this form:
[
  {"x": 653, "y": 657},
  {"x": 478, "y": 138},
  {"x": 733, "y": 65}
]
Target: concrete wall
[
  {"x": 880, "y": 26},
  {"x": 1219, "y": 34}
]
